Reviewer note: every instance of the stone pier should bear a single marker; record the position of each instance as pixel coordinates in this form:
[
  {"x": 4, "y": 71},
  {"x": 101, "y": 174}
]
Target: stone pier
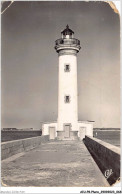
[{"x": 53, "y": 164}]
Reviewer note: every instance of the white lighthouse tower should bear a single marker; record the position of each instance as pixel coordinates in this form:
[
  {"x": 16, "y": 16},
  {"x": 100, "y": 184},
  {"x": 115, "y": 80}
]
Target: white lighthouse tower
[
  {"x": 67, "y": 126},
  {"x": 67, "y": 48}
]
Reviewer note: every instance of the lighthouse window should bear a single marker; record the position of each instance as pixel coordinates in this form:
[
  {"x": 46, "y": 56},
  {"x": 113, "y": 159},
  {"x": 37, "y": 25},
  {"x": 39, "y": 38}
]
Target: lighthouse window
[
  {"x": 67, "y": 68},
  {"x": 67, "y": 99}
]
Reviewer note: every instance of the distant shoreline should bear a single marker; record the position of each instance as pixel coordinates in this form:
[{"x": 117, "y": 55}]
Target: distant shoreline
[
  {"x": 94, "y": 129},
  {"x": 107, "y": 129}
]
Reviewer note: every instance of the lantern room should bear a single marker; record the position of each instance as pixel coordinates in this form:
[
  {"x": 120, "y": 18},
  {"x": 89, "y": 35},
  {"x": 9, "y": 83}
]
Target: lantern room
[{"x": 67, "y": 33}]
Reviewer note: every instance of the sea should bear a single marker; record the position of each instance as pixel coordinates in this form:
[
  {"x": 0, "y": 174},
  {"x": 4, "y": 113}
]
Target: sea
[{"x": 109, "y": 136}]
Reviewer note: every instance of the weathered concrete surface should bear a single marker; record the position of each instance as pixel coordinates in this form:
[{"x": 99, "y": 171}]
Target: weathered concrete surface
[{"x": 57, "y": 163}]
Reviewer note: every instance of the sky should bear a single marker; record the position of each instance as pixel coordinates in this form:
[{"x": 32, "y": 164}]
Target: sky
[{"x": 29, "y": 64}]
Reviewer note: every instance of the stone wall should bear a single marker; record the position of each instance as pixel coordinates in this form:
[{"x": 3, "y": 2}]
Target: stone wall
[
  {"x": 106, "y": 156},
  {"x": 17, "y": 146}
]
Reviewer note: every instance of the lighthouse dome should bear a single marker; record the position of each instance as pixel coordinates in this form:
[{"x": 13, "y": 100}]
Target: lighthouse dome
[{"x": 67, "y": 33}]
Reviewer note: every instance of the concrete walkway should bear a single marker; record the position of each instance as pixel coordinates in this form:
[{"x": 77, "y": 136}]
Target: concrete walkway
[{"x": 57, "y": 163}]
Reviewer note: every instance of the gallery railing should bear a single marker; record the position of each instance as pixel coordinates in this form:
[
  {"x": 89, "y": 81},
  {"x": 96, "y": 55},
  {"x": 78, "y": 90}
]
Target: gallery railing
[{"x": 66, "y": 41}]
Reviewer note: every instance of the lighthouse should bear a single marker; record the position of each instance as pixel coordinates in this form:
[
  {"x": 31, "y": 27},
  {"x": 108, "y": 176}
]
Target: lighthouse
[
  {"x": 67, "y": 126},
  {"x": 67, "y": 48}
]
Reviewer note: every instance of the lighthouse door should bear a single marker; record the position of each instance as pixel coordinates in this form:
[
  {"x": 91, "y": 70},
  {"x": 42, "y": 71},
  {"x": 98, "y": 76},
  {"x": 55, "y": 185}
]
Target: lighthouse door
[
  {"x": 52, "y": 132},
  {"x": 67, "y": 130},
  {"x": 82, "y": 132}
]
